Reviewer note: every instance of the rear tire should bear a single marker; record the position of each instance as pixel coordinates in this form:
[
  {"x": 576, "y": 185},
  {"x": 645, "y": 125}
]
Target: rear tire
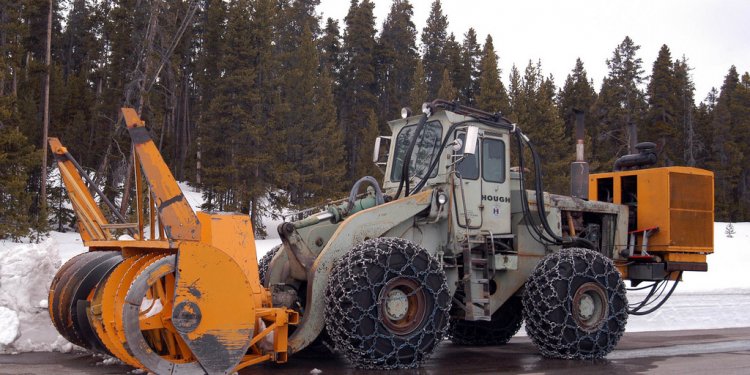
[
  {"x": 574, "y": 304},
  {"x": 387, "y": 304},
  {"x": 505, "y": 323}
]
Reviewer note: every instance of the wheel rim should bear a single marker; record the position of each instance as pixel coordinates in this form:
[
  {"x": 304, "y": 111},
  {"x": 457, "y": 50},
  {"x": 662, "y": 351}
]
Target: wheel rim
[
  {"x": 590, "y": 306},
  {"x": 402, "y": 305}
]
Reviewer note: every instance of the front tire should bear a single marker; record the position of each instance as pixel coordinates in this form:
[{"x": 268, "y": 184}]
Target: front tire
[
  {"x": 574, "y": 305},
  {"x": 387, "y": 304}
]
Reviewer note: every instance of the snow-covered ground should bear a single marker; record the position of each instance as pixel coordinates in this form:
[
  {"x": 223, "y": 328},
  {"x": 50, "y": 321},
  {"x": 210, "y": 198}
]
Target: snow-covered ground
[{"x": 719, "y": 298}]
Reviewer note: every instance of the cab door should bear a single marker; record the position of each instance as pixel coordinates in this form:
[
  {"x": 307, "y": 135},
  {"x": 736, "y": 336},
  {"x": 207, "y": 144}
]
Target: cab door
[{"x": 495, "y": 194}]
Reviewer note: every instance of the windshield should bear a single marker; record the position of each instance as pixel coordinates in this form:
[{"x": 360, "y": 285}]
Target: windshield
[{"x": 425, "y": 150}]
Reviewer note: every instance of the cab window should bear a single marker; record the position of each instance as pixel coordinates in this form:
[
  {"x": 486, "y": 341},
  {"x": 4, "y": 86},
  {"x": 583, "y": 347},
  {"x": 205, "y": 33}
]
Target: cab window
[
  {"x": 493, "y": 160},
  {"x": 468, "y": 167},
  {"x": 425, "y": 150}
]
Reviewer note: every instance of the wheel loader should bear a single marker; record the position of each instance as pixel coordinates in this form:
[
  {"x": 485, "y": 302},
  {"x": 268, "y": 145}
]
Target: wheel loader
[{"x": 454, "y": 244}]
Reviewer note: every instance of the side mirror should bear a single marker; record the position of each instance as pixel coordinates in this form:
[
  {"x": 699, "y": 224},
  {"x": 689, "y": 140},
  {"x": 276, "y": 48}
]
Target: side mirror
[
  {"x": 472, "y": 133},
  {"x": 379, "y": 158}
]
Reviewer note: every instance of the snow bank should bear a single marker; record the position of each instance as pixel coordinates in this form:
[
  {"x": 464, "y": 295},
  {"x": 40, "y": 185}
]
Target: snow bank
[
  {"x": 719, "y": 298},
  {"x": 9, "y": 326},
  {"x": 26, "y": 271},
  {"x": 727, "y": 266}
]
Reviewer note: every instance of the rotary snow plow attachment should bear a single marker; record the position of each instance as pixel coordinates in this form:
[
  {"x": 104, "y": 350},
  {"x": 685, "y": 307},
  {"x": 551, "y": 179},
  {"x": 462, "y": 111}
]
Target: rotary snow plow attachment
[{"x": 184, "y": 298}]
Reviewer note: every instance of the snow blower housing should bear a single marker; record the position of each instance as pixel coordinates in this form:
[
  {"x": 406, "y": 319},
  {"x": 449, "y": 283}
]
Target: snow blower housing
[{"x": 452, "y": 244}]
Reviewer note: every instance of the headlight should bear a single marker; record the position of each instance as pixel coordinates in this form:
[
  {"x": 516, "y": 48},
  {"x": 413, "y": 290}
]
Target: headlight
[
  {"x": 426, "y": 109},
  {"x": 405, "y": 112},
  {"x": 442, "y": 198}
]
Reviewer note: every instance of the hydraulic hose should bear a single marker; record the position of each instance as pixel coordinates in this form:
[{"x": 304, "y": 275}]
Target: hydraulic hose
[
  {"x": 549, "y": 235},
  {"x": 355, "y": 189},
  {"x": 648, "y": 300}
]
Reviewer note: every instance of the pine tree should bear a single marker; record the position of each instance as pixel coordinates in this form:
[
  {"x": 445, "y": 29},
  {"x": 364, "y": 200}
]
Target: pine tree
[
  {"x": 576, "y": 94},
  {"x": 514, "y": 91},
  {"x": 329, "y": 47},
  {"x": 81, "y": 49},
  {"x": 329, "y": 167},
  {"x": 358, "y": 99},
  {"x": 212, "y": 46},
  {"x": 18, "y": 159},
  {"x": 703, "y": 120},
  {"x": 556, "y": 149},
  {"x": 686, "y": 111},
  {"x": 396, "y": 58},
  {"x": 418, "y": 93},
  {"x": 492, "y": 96},
  {"x": 231, "y": 147},
  {"x": 661, "y": 121},
  {"x": 620, "y": 103},
  {"x": 434, "y": 37},
  {"x": 729, "y": 230},
  {"x": 533, "y": 108},
  {"x": 447, "y": 91},
  {"x": 741, "y": 112},
  {"x": 314, "y": 147},
  {"x": 453, "y": 64},
  {"x": 726, "y": 160},
  {"x": 471, "y": 55}
]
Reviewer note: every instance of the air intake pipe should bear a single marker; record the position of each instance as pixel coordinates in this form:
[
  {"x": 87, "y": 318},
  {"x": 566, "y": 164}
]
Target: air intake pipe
[{"x": 579, "y": 169}]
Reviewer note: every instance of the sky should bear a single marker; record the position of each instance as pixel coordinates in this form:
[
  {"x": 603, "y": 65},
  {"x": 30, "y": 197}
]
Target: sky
[{"x": 712, "y": 35}]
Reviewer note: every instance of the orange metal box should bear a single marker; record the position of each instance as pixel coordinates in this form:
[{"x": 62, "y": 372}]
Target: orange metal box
[{"x": 677, "y": 200}]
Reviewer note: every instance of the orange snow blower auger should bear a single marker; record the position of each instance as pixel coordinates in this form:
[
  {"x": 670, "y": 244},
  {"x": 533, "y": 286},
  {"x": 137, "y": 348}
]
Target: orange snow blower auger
[{"x": 184, "y": 299}]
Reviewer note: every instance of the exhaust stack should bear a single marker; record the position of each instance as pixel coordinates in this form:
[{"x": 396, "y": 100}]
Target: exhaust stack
[{"x": 579, "y": 169}]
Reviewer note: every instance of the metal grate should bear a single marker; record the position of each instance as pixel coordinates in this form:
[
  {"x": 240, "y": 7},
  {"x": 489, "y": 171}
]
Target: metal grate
[{"x": 691, "y": 210}]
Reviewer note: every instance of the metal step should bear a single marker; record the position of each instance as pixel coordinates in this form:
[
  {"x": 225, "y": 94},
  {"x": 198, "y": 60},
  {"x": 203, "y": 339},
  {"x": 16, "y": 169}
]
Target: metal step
[{"x": 476, "y": 277}]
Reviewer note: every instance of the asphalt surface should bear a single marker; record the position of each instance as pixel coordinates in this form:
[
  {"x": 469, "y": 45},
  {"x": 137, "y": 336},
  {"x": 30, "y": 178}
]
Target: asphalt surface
[{"x": 719, "y": 351}]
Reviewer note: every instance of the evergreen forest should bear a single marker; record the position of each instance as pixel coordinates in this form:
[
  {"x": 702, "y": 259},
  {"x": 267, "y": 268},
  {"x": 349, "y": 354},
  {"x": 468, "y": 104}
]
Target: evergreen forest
[{"x": 263, "y": 105}]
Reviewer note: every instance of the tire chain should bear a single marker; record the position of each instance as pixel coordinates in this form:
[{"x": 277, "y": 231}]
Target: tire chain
[
  {"x": 548, "y": 301},
  {"x": 265, "y": 262},
  {"x": 356, "y": 275}
]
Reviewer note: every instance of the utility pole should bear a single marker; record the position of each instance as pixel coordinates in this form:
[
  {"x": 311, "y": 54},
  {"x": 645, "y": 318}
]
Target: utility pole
[{"x": 43, "y": 194}]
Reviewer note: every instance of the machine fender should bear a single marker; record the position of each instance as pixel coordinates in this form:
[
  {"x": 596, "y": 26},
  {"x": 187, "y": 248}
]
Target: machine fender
[{"x": 370, "y": 223}]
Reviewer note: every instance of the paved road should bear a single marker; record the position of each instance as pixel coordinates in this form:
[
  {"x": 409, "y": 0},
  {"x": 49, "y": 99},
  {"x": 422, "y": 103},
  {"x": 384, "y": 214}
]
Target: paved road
[{"x": 718, "y": 351}]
